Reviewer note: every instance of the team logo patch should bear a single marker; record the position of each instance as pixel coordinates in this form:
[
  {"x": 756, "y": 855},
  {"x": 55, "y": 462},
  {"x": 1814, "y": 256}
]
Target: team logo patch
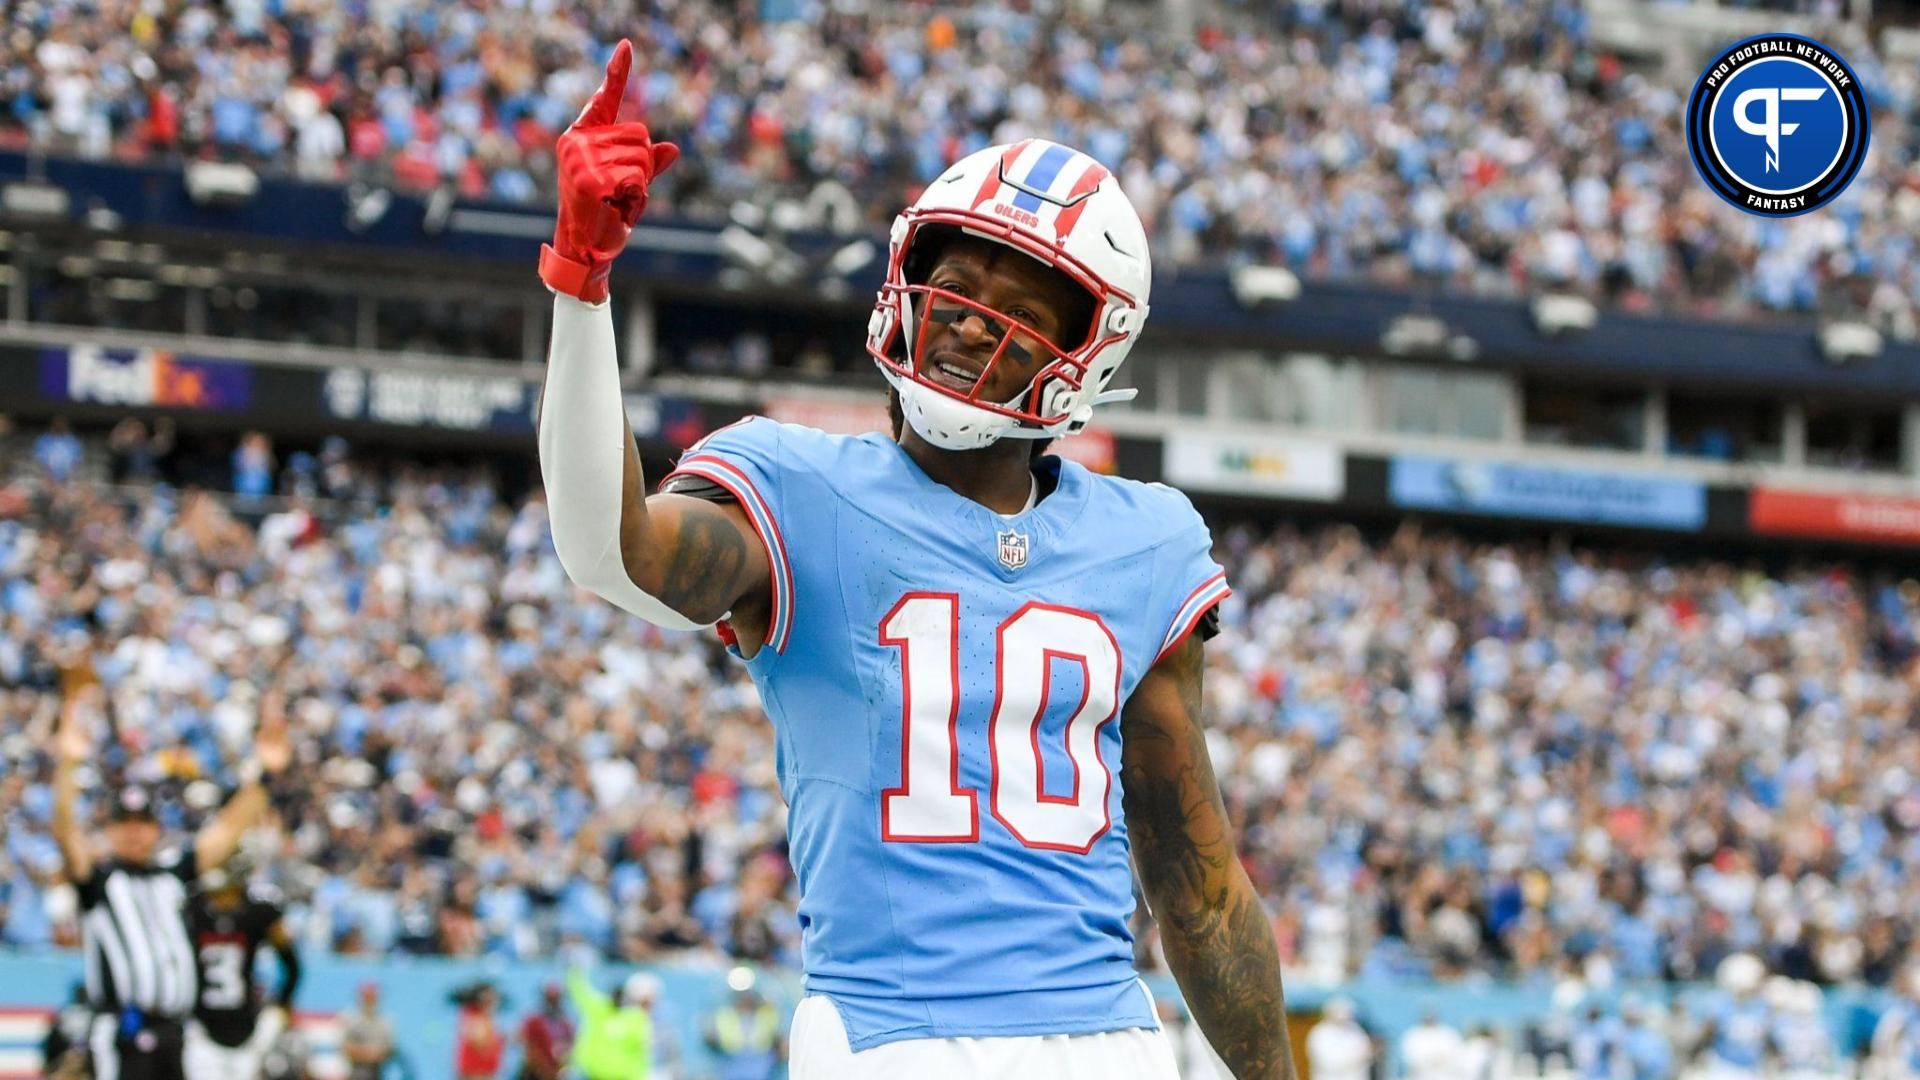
[
  {"x": 1777, "y": 125},
  {"x": 1013, "y": 549}
]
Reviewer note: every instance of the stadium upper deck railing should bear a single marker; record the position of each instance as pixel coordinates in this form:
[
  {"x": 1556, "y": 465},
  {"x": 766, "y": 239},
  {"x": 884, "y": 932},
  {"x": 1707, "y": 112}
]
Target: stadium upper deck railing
[{"x": 1200, "y": 306}]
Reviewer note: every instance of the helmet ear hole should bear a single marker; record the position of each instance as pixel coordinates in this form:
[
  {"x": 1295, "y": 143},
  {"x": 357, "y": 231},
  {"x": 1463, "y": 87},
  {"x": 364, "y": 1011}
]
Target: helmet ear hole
[{"x": 1079, "y": 320}]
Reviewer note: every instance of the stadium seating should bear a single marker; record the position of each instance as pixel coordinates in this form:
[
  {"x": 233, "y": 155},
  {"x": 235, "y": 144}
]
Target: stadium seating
[
  {"x": 1451, "y": 758},
  {"x": 1500, "y": 150}
]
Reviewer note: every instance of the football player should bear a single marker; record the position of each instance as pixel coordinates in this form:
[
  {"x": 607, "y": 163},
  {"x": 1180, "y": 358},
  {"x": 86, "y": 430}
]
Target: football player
[
  {"x": 983, "y": 663},
  {"x": 229, "y": 922}
]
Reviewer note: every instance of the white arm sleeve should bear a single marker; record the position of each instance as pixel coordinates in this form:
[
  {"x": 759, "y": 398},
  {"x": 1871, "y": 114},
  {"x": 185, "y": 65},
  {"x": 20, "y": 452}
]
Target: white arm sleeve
[{"x": 583, "y": 458}]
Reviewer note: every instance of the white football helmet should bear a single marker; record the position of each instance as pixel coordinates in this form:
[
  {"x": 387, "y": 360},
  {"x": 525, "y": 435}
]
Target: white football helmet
[{"x": 1053, "y": 204}]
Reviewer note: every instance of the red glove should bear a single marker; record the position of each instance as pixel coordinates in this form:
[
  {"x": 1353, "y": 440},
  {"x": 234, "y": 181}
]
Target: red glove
[{"x": 605, "y": 168}]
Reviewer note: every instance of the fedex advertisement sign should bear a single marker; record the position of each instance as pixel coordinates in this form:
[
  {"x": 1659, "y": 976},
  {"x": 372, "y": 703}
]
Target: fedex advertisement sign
[{"x": 143, "y": 378}]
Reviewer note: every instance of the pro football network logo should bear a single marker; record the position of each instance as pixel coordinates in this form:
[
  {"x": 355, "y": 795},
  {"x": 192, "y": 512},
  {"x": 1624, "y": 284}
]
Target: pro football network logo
[{"x": 1777, "y": 125}]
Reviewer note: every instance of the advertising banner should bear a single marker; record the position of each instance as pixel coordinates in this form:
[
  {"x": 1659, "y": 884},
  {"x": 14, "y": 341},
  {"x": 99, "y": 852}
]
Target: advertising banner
[
  {"x": 431, "y": 399},
  {"x": 1885, "y": 519},
  {"x": 144, "y": 378},
  {"x": 1278, "y": 466},
  {"x": 1631, "y": 499}
]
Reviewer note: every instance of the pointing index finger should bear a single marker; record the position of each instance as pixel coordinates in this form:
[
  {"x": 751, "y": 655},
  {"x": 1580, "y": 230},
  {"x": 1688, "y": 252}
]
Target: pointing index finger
[{"x": 605, "y": 103}]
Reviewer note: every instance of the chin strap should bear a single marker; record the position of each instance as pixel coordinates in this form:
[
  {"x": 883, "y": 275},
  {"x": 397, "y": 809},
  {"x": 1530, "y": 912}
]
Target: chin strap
[{"x": 1107, "y": 397}]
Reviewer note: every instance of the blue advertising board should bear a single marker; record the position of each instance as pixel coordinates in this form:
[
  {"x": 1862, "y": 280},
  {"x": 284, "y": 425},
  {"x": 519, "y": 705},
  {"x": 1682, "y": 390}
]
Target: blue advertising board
[
  {"x": 1506, "y": 489},
  {"x": 144, "y": 378}
]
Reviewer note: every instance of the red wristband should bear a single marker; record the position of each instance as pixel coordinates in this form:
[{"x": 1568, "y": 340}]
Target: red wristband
[{"x": 583, "y": 281}]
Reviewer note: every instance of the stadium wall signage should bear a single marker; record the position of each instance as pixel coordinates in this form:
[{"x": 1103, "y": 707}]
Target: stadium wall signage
[
  {"x": 144, "y": 378},
  {"x": 88, "y": 377},
  {"x": 94, "y": 380},
  {"x": 431, "y": 399},
  {"x": 1883, "y": 519},
  {"x": 1288, "y": 468},
  {"x": 1628, "y": 499}
]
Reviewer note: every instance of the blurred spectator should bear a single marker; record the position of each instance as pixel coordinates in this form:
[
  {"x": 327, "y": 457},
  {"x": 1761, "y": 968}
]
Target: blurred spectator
[
  {"x": 1337, "y": 1047},
  {"x": 253, "y": 466},
  {"x": 1645, "y": 1048},
  {"x": 1740, "y": 1020},
  {"x": 58, "y": 451},
  {"x": 546, "y": 1037},
  {"x": 746, "y": 1032},
  {"x": 1431, "y": 1050},
  {"x": 481, "y": 1045},
  {"x": 1895, "y": 1050},
  {"x": 1687, "y": 1029},
  {"x": 1484, "y": 1056},
  {"x": 616, "y": 1032},
  {"x": 1802, "y": 1048},
  {"x": 138, "y": 455},
  {"x": 367, "y": 1037},
  {"x": 1595, "y": 1045}
]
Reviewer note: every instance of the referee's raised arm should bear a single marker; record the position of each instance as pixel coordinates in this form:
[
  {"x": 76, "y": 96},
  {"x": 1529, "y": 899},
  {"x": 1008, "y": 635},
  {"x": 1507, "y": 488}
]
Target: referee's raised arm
[
  {"x": 71, "y": 746},
  {"x": 218, "y": 838}
]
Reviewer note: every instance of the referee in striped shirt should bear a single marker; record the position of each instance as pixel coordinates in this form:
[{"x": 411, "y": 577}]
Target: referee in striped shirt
[{"x": 142, "y": 978}]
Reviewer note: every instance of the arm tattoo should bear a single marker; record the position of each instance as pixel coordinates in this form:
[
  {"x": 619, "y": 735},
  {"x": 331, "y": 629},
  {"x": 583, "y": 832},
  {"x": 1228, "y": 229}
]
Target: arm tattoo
[
  {"x": 701, "y": 573},
  {"x": 697, "y": 573},
  {"x": 1216, "y": 935}
]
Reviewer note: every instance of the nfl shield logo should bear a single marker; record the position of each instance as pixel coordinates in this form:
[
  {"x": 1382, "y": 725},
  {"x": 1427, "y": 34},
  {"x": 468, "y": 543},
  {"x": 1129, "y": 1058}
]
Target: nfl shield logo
[{"x": 1013, "y": 550}]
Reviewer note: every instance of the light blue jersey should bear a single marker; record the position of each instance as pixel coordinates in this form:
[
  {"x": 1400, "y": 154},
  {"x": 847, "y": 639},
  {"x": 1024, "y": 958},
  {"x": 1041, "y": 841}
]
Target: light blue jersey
[
  {"x": 946, "y": 686},
  {"x": 1740, "y": 1031},
  {"x": 1898, "y": 1031}
]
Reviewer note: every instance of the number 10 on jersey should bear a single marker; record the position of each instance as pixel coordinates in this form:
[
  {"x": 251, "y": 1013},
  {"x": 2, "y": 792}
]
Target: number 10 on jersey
[{"x": 929, "y": 806}]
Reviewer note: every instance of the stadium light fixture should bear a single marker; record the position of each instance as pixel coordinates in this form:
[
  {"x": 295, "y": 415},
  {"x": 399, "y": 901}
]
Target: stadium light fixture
[
  {"x": 221, "y": 183},
  {"x": 366, "y": 206},
  {"x": 747, "y": 215},
  {"x": 35, "y": 200},
  {"x": 852, "y": 258},
  {"x": 1254, "y": 285},
  {"x": 439, "y": 210},
  {"x": 1563, "y": 315},
  {"x": 1849, "y": 342},
  {"x": 744, "y": 249},
  {"x": 1411, "y": 334},
  {"x": 131, "y": 290}
]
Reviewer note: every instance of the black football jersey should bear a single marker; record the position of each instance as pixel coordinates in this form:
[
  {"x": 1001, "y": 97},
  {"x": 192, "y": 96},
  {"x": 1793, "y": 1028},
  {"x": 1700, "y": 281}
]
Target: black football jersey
[{"x": 226, "y": 941}]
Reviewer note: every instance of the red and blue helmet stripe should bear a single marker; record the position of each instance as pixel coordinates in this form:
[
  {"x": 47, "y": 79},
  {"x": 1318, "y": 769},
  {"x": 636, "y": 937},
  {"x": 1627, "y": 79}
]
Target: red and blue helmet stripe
[{"x": 1035, "y": 181}]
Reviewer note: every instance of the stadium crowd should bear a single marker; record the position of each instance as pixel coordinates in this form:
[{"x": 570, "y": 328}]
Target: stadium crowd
[
  {"x": 1449, "y": 758},
  {"x": 1481, "y": 144}
]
